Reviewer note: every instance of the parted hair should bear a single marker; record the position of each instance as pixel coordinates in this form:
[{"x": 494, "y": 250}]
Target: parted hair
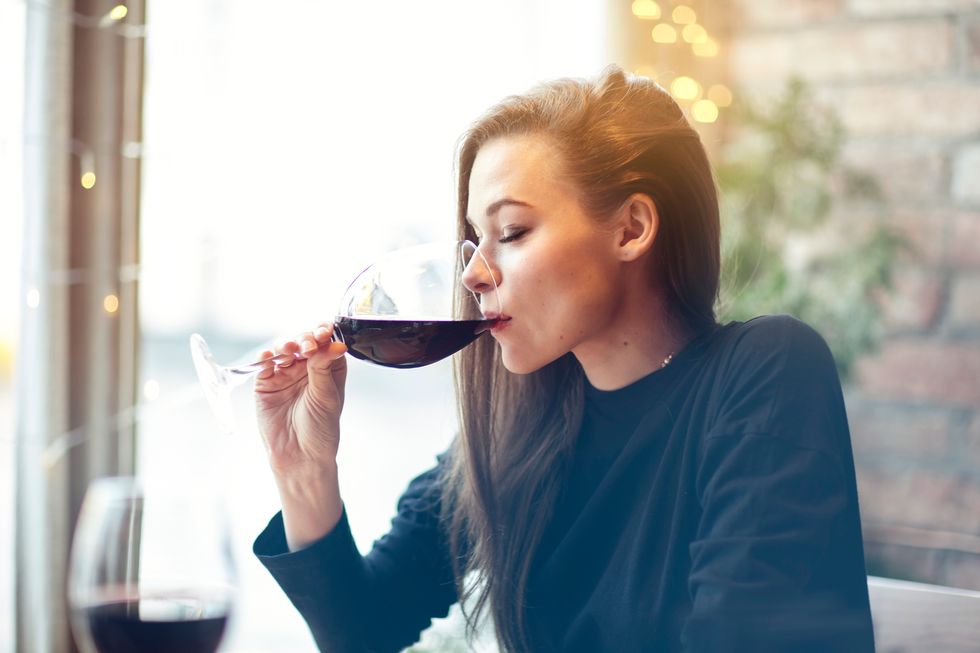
[{"x": 616, "y": 135}]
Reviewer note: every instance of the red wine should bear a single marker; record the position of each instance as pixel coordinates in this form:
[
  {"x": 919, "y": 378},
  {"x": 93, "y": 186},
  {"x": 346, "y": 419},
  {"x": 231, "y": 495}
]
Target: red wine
[
  {"x": 405, "y": 343},
  {"x": 162, "y": 626}
]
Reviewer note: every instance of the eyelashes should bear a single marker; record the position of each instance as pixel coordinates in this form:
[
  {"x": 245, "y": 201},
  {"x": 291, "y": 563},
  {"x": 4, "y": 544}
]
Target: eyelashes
[{"x": 512, "y": 237}]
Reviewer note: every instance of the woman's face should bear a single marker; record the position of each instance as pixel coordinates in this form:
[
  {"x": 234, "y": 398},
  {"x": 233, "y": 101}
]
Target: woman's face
[{"x": 557, "y": 269}]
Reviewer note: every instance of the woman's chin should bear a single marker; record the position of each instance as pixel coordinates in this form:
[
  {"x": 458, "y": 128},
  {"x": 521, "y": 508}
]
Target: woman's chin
[{"x": 521, "y": 364}]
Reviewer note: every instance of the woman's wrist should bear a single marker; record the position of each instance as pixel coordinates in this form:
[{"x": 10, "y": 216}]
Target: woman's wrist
[{"x": 311, "y": 505}]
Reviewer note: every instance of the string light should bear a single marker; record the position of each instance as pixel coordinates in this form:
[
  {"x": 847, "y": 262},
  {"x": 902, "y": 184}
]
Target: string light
[
  {"x": 695, "y": 33},
  {"x": 720, "y": 95},
  {"x": 706, "y": 48},
  {"x": 664, "y": 33},
  {"x": 646, "y": 9},
  {"x": 685, "y": 88},
  {"x": 704, "y": 111},
  {"x": 683, "y": 15},
  {"x": 151, "y": 390},
  {"x": 110, "y": 21},
  {"x": 88, "y": 180},
  {"x": 110, "y": 303}
]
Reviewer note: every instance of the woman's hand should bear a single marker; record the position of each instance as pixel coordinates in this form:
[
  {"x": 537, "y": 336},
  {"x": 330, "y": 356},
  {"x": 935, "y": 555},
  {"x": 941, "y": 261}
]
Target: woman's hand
[{"x": 298, "y": 406}]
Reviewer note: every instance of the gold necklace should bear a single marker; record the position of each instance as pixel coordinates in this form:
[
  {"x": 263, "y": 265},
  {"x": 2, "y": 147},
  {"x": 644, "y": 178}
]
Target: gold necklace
[{"x": 669, "y": 357}]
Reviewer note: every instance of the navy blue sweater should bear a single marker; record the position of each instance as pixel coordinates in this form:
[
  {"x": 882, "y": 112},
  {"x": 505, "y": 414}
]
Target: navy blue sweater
[{"x": 710, "y": 506}]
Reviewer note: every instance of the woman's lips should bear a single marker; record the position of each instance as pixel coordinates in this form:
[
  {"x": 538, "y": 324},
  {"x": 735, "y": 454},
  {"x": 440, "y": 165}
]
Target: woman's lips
[{"x": 502, "y": 323}]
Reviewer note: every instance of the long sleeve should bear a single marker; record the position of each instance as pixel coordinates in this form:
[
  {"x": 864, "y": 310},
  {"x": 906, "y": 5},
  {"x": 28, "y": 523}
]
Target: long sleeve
[
  {"x": 773, "y": 566},
  {"x": 379, "y": 602}
]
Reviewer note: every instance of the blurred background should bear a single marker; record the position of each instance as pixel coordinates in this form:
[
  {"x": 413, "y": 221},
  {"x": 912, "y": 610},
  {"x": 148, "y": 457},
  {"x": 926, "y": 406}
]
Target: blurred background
[{"x": 226, "y": 167}]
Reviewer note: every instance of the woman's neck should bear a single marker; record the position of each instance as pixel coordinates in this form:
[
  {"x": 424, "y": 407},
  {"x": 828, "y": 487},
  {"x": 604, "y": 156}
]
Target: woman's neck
[{"x": 638, "y": 340}]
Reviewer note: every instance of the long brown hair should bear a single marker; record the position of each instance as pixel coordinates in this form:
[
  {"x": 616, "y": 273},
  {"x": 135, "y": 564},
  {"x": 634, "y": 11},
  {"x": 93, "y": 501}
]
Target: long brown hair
[{"x": 617, "y": 135}]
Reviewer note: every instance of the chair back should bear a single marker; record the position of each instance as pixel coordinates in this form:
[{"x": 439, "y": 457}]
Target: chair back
[{"x": 919, "y": 618}]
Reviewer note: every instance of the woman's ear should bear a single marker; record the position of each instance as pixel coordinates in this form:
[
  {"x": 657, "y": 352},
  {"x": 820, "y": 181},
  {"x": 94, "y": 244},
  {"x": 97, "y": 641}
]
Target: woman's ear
[{"x": 637, "y": 226}]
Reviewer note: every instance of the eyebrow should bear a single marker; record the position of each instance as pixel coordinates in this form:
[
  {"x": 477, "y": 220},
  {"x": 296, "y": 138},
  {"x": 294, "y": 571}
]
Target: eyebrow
[{"x": 495, "y": 207}]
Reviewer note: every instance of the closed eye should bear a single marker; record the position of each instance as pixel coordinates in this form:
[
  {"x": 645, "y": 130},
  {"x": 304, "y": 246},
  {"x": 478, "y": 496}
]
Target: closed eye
[{"x": 513, "y": 236}]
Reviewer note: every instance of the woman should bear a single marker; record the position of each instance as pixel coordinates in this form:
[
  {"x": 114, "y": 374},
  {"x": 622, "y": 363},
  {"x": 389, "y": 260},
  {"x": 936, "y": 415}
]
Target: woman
[{"x": 634, "y": 476}]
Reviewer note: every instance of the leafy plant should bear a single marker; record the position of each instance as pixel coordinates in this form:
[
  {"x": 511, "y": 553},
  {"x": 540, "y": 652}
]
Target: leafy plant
[{"x": 784, "y": 248}]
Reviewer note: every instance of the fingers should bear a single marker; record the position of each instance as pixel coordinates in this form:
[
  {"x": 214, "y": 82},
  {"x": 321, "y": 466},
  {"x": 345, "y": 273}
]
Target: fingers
[{"x": 268, "y": 370}]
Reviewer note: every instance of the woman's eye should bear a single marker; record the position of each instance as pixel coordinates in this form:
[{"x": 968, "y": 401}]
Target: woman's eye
[{"x": 512, "y": 236}]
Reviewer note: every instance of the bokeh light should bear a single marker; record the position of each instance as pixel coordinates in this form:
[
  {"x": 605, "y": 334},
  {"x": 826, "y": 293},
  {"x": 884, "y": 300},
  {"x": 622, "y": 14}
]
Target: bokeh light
[
  {"x": 646, "y": 9},
  {"x": 88, "y": 180},
  {"x": 704, "y": 111},
  {"x": 664, "y": 33},
  {"x": 110, "y": 303},
  {"x": 720, "y": 95},
  {"x": 706, "y": 48},
  {"x": 683, "y": 15},
  {"x": 685, "y": 88}
]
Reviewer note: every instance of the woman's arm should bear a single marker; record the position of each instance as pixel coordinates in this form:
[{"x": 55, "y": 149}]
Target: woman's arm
[
  {"x": 378, "y": 602},
  {"x": 778, "y": 562}
]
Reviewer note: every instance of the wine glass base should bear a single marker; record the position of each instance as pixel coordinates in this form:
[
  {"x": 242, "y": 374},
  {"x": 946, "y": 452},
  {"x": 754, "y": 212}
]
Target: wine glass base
[{"x": 214, "y": 381}]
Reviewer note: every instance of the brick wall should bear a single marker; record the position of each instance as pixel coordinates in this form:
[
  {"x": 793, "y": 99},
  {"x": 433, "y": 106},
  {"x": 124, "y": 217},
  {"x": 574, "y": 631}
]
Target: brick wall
[{"x": 904, "y": 76}]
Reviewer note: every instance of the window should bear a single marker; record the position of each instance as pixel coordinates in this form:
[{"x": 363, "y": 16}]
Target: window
[
  {"x": 11, "y": 128},
  {"x": 283, "y": 151}
]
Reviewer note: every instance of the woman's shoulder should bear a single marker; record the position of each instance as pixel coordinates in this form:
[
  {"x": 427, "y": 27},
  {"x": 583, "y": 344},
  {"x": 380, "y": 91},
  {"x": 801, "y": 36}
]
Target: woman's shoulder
[{"x": 769, "y": 340}]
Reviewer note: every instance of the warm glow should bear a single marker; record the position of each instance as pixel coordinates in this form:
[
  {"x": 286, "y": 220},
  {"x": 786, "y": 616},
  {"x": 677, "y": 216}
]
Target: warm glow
[
  {"x": 704, "y": 111},
  {"x": 118, "y": 12},
  {"x": 664, "y": 33},
  {"x": 33, "y": 298},
  {"x": 645, "y": 71},
  {"x": 694, "y": 33},
  {"x": 706, "y": 48},
  {"x": 88, "y": 180},
  {"x": 110, "y": 303},
  {"x": 720, "y": 95},
  {"x": 646, "y": 9},
  {"x": 151, "y": 390},
  {"x": 685, "y": 88},
  {"x": 683, "y": 15}
]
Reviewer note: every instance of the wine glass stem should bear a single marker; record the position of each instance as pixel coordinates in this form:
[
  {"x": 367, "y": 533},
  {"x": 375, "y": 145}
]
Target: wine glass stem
[{"x": 251, "y": 369}]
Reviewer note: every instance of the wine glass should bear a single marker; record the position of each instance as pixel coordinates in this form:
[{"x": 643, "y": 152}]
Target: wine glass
[
  {"x": 150, "y": 572},
  {"x": 412, "y": 307}
]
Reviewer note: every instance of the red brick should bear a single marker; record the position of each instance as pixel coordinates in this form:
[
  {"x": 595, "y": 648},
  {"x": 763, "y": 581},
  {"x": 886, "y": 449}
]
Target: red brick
[
  {"x": 890, "y": 560},
  {"x": 914, "y": 434},
  {"x": 784, "y": 13},
  {"x": 973, "y": 46},
  {"x": 903, "y": 171},
  {"x": 920, "y": 498},
  {"x": 966, "y": 174},
  {"x": 971, "y": 441},
  {"x": 881, "y": 8},
  {"x": 964, "y": 303},
  {"x": 965, "y": 245},
  {"x": 914, "y": 301},
  {"x": 922, "y": 370},
  {"x": 862, "y": 52},
  {"x": 941, "y": 109},
  {"x": 925, "y": 232},
  {"x": 961, "y": 568}
]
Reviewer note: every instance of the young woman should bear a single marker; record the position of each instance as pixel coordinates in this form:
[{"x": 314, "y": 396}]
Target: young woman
[{"x": 629, "y": 475}]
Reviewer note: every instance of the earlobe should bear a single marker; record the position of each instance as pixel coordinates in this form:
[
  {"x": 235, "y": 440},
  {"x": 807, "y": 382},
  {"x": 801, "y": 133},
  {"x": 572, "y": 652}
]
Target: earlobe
[{"x": 639, "y": 224}]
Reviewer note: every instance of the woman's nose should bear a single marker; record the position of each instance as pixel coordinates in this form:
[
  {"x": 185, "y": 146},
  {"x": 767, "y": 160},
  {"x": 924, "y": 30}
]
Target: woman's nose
[{"x": 479, "y": 277}]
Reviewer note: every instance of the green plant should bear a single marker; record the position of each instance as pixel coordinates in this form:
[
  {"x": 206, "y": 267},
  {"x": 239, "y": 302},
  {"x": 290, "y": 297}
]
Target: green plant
[{"x": 786, "y": 248}]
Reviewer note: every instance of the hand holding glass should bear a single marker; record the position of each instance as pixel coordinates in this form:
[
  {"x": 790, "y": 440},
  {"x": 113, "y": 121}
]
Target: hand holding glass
[{"x": 409, "y": 309}]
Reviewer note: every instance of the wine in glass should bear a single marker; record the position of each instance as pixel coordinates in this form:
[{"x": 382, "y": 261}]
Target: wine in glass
[
  {"x": 412, "y": 307},
  {"x": 150, "y": 572}
]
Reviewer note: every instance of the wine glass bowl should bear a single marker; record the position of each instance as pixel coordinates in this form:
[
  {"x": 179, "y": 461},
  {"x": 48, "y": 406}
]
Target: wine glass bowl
[
  {"x": 412, "y": 307},
  {"x": 150, "y": 572}
]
